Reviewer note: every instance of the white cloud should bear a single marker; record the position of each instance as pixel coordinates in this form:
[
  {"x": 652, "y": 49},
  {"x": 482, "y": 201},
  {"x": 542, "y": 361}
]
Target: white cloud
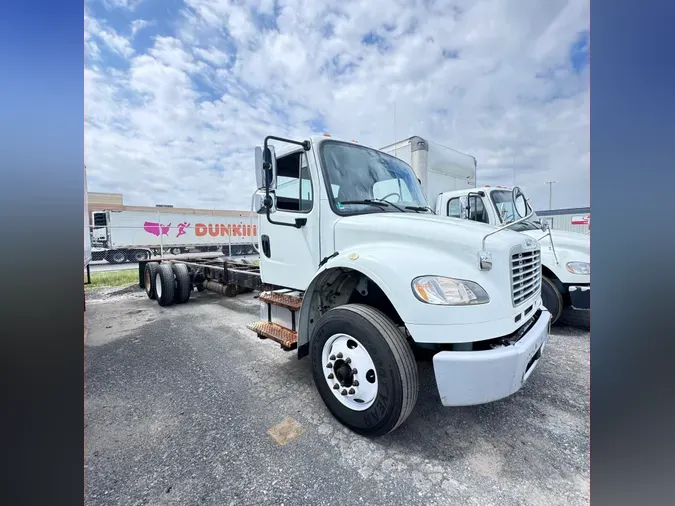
[
  {"x": 180, "y": 124},
  {"x": 121, "y": 4},
  {"x": 139, "y": 24},
  {"x": 95, "y": 30}
]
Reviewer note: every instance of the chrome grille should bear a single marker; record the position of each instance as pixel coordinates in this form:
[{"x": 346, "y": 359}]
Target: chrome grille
[{"x": 525, "y": 275}]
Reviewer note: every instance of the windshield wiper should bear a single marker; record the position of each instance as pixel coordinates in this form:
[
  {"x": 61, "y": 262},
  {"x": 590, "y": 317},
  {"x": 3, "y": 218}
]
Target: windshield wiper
[
  {"x": 420, "y": 208},
  {"x": 374, "y": 202}
]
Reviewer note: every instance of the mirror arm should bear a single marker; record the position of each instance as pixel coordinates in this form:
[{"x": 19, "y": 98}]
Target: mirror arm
[
  {"x": 299, "y": 222},
  {"x": 503, "y": 227}
]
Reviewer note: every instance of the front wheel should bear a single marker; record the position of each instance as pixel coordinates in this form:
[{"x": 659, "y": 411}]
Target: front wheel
[
  {"x": 364, "y": 369},
  {"x": 551, "y": 298}
]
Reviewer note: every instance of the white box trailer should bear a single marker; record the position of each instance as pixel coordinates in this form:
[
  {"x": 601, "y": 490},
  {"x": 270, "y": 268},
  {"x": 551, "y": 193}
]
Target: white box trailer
[
  {"x": 439, "y": 168},
  {"x": 121, "y": 236}
]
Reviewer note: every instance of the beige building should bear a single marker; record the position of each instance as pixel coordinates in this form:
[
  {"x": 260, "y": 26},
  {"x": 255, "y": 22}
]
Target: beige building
[{"x": 99, "y": 201}]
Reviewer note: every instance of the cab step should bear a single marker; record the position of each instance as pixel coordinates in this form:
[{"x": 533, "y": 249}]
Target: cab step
[
  {"x": 279, "y": 310},
  {"x": 289, "y": 299},
  {"x": 288, "y": 339}
]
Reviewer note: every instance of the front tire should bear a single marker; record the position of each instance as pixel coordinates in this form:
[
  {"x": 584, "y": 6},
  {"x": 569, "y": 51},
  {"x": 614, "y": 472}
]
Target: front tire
[
  {"x": 384, "y": 363},
  {"x": 551, "y": 298}
]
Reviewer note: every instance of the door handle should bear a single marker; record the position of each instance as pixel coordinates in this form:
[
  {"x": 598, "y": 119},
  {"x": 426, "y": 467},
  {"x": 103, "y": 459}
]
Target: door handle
[{"x": 265, "y": 241}]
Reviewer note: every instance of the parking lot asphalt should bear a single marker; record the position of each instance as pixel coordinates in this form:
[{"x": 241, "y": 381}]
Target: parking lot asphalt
[{"x": 179, "y": 402}]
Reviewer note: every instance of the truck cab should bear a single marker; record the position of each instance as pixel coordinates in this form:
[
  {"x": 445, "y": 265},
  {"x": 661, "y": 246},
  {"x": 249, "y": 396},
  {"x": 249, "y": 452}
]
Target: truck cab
[
  {"x": 362, "y": 271},
  {"x": 565, "y": 255}
]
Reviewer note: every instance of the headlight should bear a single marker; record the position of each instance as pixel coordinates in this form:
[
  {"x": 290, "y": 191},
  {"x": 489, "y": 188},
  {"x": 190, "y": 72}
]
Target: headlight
[
  {"x": 448, "y": 292},
  {"x": 579, "y": 267}
]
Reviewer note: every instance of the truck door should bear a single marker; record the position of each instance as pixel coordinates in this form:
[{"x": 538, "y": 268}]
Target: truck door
[{"x": 290, "y": 256}]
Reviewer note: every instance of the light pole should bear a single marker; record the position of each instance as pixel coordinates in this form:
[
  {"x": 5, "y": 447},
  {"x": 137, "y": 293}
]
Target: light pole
[{"x": 550, "y": 193}]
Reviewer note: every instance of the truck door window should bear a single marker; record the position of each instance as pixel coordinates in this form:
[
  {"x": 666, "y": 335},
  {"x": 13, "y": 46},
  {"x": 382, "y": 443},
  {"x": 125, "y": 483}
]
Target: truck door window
[
  {"x": 478, "y": 211},
  {"x": 454, "y": 208},
  {"x": 294, "y": 186}
]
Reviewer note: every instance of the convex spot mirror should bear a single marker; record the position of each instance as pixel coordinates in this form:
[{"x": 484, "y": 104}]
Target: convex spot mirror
[
  {"x": 464, "y": 207},
  {"x": 259, "y": 201},
  {"x": 265, "y": 167},
  {"x": 520, "y": 202}
]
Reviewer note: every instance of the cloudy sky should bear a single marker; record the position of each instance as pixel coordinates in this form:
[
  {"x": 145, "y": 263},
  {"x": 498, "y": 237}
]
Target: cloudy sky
[{"x": 178, "y": 92}]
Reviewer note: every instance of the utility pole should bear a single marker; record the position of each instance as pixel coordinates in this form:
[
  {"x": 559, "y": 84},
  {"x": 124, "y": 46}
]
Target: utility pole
[{"x": 550, "y": 193}]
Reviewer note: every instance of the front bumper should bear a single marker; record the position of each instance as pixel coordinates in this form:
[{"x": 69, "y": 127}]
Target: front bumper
[
  {"x": 466, "y": 378},
  {"x": 580, "y": 297}
]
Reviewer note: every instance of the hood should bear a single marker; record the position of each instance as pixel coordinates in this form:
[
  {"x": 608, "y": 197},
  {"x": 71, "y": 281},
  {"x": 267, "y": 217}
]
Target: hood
[
  {"x": 573, "y": 241},
  {"x": 429, "y": 230}
]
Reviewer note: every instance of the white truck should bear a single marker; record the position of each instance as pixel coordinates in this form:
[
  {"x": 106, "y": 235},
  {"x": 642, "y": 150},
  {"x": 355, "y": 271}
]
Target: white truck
[
  {"x": 355, "y": 279},
  {"x": 449, "y": 178},
  {"x": 133, "y": 236}
]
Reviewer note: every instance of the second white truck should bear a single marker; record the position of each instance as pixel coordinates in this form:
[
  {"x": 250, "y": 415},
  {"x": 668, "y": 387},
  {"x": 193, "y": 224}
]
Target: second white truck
[{"x": 449, "y": 178}]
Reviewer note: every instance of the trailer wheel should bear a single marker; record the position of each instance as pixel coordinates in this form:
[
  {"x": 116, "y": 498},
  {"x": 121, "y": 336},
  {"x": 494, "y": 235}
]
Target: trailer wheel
[
  {"x": 150, "y": 276},
  {"x": 175, "y": 251},
  {"x": 551, "y": 298},
  {"x": 116, "y": 257},
  {"x": 139, "y": 255},
  {"x": 182, "y": 287},
  {"x": 364, "y": 369},
  {"x": 164, "y": 284}
]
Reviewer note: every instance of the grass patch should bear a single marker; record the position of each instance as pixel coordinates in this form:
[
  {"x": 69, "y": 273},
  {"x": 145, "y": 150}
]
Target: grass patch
[{"x": 112, "y": 278}]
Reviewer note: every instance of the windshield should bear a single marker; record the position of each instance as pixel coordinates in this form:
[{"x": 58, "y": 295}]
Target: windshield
[
  {"x": 356, "y": 173},
  {"x": 503, "y": 201}
]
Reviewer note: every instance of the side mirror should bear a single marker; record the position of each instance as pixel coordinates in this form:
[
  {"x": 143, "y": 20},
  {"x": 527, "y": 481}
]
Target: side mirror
[
  {"x": 265, "y": 167},
  {"x": 519, "y": 202},
  {"x": 545, "y": 226}
]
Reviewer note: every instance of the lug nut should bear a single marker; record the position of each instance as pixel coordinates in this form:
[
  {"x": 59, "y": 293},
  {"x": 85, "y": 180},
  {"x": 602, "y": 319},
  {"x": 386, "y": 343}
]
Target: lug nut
[
  {"x": 352, "y": 391},
  {"x": 332, "y": 357},
  {"x": 336, "y": 386},
  {"x": 354, "y": 371},
  {"x": 356, "y": 383},
  {"x": 339, "y": 355},
  {"x": 344, "y": 392},
  {"x": 329, "y": 365},
  {"x": 348, "y": 360}
]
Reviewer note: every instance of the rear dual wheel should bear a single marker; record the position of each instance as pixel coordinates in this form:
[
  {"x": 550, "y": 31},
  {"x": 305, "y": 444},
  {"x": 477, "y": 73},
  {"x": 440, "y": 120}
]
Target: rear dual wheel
[
  {"x": 172, "y": 283},
  {"x": 150, "y": 277},
  {"x": 116, "y": 257},
  {"x": 364, "y": 369}
]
